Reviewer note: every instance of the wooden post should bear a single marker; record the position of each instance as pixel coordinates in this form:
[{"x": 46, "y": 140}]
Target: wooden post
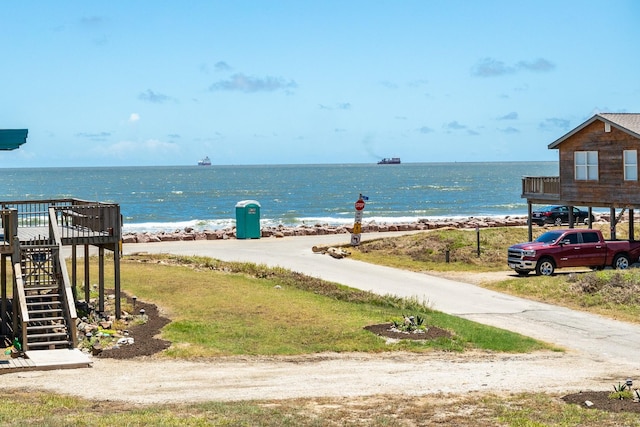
[
  {"x": 116, "y": 278},
  {"x": 101, "y": 279},
  {"x": 571, "y": 217},
  {"x": 74, "y": 271},
  {"x": 87, "y": 286},
  {"x": 631, "y": 226},
  {"x": 529, "y": 223},
  {"x": 612, "y": 223},
  {"x": 3, "y": 306}
]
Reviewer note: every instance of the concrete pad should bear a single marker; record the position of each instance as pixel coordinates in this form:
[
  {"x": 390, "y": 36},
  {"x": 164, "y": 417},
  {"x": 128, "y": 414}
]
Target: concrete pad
[{"x": 59, "y": 359}]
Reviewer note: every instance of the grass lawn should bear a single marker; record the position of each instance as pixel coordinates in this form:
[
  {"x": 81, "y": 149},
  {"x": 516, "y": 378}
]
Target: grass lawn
[
  {"x": 230, "y": 308},
  {"x": 219, "y": 308},
  {"x": 531, "y": 409}
]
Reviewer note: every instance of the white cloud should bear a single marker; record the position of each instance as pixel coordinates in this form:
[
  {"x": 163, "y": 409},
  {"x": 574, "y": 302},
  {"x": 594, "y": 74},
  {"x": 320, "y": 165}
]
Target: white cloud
[
  {"x": 134, "y": 117},
  {"x": 248, "y": 84}
]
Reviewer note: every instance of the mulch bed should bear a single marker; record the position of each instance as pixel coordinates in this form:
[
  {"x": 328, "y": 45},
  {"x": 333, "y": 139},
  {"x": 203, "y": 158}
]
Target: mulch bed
[
  {"x": 145, "y": 343},
  {"x": 384, "y": 330},
  {"x": 600, "y": 400}
]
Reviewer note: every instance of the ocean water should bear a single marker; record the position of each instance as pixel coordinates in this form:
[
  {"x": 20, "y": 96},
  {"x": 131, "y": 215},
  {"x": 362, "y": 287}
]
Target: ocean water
[{"x": 204, "y": 197}]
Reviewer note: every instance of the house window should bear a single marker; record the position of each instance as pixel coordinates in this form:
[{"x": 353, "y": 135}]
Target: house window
[
  {"x": 586, "y": 163},
  {"x": 630, "y": 165}
]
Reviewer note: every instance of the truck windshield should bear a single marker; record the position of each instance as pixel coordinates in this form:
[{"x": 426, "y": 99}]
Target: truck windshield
[{"x": 549, "y": 237}]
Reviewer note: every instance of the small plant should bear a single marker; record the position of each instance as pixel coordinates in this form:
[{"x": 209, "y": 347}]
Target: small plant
[
  {"x": 620, "y": 392},
  {"x": 409, "y": 323}
]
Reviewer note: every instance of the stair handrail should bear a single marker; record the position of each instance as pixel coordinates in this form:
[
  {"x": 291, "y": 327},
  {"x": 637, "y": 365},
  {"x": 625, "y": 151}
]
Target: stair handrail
[
  {"x": 22, "y": 302},
  {"x": 18, "y": 282},
  {"x": 62, "y": 265}
]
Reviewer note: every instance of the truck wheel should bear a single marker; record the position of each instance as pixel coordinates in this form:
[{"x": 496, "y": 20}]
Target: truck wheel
[
  {"x": 545, "y": 267},
  {"x": 558, "y": 221},
  {"x": 621, "y": 262},
  {"x": 522, "y": 273}
]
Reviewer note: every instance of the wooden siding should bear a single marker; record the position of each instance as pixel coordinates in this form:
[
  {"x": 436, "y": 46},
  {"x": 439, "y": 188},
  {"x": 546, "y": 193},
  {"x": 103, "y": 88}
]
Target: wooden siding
[{"x": 610, "y": 189}]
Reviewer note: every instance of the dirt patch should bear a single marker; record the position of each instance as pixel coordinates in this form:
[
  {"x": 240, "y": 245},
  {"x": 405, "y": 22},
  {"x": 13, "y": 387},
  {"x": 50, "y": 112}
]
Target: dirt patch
[
  {"x": 144, "y": 335},
  {"x": 600, "y": 400}
]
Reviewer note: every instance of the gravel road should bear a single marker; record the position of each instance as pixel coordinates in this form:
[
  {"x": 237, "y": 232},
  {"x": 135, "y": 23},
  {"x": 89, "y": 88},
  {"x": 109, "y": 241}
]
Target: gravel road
[{"x": 147, "y": 381}]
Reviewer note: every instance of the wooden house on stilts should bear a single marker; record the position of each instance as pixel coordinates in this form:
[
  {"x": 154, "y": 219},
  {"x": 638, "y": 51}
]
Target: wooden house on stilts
[{"x": 598, "y": 167}]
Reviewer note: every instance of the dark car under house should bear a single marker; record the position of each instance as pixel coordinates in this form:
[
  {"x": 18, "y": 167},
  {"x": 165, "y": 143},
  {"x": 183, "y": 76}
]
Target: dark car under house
[{"x": 559, "y": 215}]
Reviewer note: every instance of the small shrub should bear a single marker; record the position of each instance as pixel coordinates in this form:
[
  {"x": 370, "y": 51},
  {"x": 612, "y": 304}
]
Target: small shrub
[
  {"x": 620, "y": 392},
  {"x": 615, "y": 287},
  {"x": 409, "y": 323}
]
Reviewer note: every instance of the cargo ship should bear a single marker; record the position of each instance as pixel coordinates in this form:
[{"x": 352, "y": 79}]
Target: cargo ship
[
  {"x": 204, "y": 162},
  {"x": 390, "y": 161}
]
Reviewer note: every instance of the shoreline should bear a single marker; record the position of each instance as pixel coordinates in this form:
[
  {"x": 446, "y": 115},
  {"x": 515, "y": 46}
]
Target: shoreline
[{"x": 189, "y": 233}]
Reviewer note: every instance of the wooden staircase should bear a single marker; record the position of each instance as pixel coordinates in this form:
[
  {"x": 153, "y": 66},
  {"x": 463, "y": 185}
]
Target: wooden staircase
[{"x": 45, "y": 325}]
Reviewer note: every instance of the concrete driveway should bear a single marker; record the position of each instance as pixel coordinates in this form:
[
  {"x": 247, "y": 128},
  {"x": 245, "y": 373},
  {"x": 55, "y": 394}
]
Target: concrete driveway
[{"x": 595, "y": 337}]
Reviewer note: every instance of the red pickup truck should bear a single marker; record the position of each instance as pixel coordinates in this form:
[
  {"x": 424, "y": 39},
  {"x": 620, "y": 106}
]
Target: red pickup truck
[{"x": 571, "y": 248}]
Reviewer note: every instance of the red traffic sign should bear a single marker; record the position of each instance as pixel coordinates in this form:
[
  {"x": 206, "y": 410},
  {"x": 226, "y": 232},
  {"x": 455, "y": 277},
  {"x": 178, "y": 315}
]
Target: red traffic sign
[{"x": 360, "y": 205}]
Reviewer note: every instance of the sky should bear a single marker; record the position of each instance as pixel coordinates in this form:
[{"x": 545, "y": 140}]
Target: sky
[{"x": 154, "y": 83}]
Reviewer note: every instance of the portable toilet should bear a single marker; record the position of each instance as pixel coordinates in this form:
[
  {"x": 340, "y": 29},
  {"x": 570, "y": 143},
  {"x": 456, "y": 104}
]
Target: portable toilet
[{"x": 248, "y": 219}]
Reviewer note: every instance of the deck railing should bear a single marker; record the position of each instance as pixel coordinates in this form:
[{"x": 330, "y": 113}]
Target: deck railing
[
  {"x": 75, "y": 218},
  {"x": 91, "y": 220},
  {"x": 541, "y": 186},
  {"x": 34, "y": 213}
]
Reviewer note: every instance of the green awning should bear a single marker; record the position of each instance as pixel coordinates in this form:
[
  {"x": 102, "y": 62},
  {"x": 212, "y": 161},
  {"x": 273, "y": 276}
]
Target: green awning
[{"x": 10, "y": 139}]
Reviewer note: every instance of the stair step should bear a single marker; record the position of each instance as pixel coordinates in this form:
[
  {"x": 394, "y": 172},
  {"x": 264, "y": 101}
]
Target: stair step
[
  {"x": 35, "y": 304},
  {"x": 49, "y": 292},
  {"x": 43, "y": 298},
  {"x": 45, "y": 319},
  {"x": 44, "y": 302},
  {"x": 47, "y": 335},
  {"x": 44, "y": 315},
  {"x": 45, "y": 327},
  {"x": 48, "y": 344},
  {"x": 51, "y": 310},
  {"x": 54, "y": 287}
]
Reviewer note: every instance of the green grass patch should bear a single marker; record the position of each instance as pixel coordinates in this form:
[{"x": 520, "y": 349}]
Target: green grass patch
[
  {"x": 611, "y": 293},
  {"x": 22, "y": 408},
  {"x": 428, "y": 250},
  {"x": 218, "y": 308}
]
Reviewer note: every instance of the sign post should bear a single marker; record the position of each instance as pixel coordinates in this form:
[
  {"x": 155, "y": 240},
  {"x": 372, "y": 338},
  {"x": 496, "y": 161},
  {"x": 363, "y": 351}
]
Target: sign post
[{"x": 357, "y": 222}]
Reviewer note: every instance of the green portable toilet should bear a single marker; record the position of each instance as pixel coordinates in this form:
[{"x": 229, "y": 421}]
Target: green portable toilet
[{"x": 248, "y": 219}]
